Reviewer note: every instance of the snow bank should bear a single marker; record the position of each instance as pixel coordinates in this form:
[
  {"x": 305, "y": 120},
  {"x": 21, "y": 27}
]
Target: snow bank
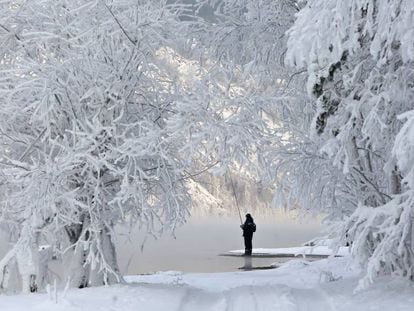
[
  {"x": 306, "y": 275},
  {"x": 318, "y": 251},
  {"x": 326, "y": 284}
]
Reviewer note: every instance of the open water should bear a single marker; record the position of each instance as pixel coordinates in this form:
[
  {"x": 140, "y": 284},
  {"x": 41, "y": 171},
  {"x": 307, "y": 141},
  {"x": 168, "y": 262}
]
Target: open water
[{"x": 198, "y": 243}]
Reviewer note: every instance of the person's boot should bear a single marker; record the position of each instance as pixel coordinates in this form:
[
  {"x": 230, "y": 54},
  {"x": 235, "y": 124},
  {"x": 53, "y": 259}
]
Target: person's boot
[{"x": 248, "y": 252}]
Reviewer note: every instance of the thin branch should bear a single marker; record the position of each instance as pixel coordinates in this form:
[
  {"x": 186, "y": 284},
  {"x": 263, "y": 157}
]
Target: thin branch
[
  {"x": 14, "y": 34},
  {"x": 291, "y": 78},
  {"x": 32, "y": 144},
  {"x": 14, "y": 165},
  {"x": 134, "y": 42},
  {"x": 12, "y": 138},
  {"x": 191, "y": 176},
  {"x": 381, "y": 194}
]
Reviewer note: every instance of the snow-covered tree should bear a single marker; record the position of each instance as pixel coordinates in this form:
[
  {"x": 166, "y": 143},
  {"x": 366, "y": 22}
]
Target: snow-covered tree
[
  {"x": 248, "y": 41},
  {"x": 359, "y": 58},
  {"x": 85, "y": 143},
  {"x": 105, "y": 112},
  {"x": 354, "y": 163}
]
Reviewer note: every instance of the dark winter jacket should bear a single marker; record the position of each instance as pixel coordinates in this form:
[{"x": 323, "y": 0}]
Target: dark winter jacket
[{"x": 248, "y": 227}]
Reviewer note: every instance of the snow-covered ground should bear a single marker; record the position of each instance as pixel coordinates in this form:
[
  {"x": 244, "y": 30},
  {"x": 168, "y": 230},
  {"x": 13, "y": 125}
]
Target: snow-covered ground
[
  {"x": 320, "y": 250},
  {"x": 326, "y": 284}
]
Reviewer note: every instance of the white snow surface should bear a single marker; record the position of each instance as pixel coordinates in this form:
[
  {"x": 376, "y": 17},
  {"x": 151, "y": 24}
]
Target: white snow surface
[
  {"x": 327, "y": 284},
  {"x": 298, "y": 251}
]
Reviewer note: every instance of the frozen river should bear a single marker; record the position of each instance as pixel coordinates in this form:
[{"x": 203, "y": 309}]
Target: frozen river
[{"x": 199, "y": 242}]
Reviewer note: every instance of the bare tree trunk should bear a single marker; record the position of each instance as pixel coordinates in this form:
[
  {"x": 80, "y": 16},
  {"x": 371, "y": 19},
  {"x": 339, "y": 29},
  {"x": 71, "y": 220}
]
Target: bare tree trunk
[
  {"x": 75, "y": 259},
  {"x": 395, "y": 182},
  {"x": 78, "y": 272},
  {"x": 109, "y": 254},
  {"x": 82, "y": 273},
  {"x": 27, "y": 255}
]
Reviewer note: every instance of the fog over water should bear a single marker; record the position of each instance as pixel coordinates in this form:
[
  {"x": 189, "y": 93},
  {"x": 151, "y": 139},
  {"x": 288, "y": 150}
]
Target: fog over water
[{"x": 199, "y": 242}]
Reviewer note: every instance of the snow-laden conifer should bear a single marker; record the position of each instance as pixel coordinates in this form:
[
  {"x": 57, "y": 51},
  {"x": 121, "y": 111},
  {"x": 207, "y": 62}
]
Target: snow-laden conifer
[{"x": 359, "y": 58}]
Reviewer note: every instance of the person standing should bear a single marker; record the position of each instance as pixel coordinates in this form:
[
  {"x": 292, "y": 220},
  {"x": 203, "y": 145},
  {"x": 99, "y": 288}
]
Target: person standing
[{"x": 248, "y": 228}]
